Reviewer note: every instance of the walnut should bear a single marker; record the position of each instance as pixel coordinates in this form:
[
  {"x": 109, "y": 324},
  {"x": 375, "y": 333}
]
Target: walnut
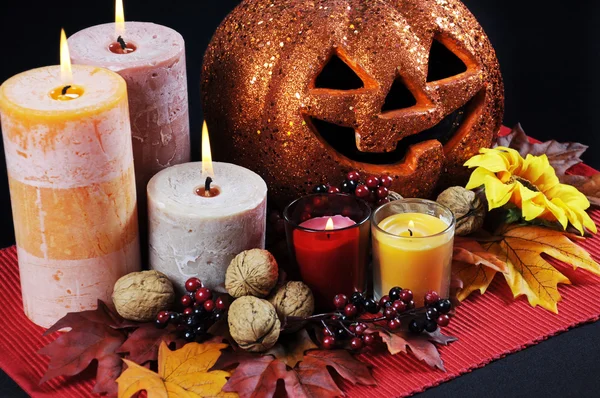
[
  {"x": 293, "y": 299},
  {"x": 140, "y": 296},
  {"x": 467, "y": 207},
  {"x": 253, "y": 324},
  {"x": 251, "y": 273}
]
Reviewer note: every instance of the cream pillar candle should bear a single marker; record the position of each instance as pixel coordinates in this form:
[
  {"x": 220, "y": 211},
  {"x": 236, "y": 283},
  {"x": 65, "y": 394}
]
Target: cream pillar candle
[
  {"x": 193, "y": 235},
  {"x": 72, "y": 187}
]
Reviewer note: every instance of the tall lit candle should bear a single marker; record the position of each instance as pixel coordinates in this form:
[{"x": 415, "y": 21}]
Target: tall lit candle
[
  {"x": 412, "y": 247},
  {"x": 151, "y": 59},
  {"x": 201, "y": 215},
  {"x": 70, "y": 166}
]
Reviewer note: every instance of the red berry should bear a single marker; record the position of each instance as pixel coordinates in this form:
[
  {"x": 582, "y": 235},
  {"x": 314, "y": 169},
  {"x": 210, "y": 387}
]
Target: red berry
[
  {"x": 382, "y": 192},
  {"x": 399, "y": 306},
  {"x": 353, "y": 176},
  {"x": 220, "y": 303},
  {"x": 369, "y": 339},
  {"x": 203, "y": 294},
  {"x": 383, "y": 302},
  {"x": 209, "y": 305},
  {"x": 431, "y": 297},
  {"x": 360, "y": 328},
  {"x": 327, "y": 332},
  {"x": 333, "y": 190},
  {"x": 372, "y": 182},
  {"x": 372, "y": 198},
  {"x": 393, "y": 324},
  {"x": 340, "y": 301},
  {"x": 406, "y": 295},
  {"x": 361, "y": 191},
  {"x": 352, "y": 328},
  {"x": 193, "y": 284},
  {"x": 390, "y": 313},
  {"x": 350, "y": 310},
  {"x": 188, "y": 311},
  {"x": 186, "y": 300},
  {"x": 386, "y": 181},
  {"x": 163, "y": 316},
  {"x": 356, "y": 343},
  {"x": 328, "y": 342},
  {"x": 443, "y": 320},
  {"x": 381, "y": 202}
]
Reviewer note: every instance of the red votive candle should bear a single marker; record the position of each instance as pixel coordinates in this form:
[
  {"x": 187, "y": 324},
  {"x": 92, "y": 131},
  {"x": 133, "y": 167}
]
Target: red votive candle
[{"x": 328, "y": 237}]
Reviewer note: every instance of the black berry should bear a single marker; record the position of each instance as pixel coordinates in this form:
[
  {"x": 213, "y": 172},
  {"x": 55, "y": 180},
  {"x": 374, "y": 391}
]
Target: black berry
[
  {"x": 444, "y": 306},
  {"x": 395, "y": 293},
  {"x": 320, "y": 189},
  {"x": 416, "y": 325}
]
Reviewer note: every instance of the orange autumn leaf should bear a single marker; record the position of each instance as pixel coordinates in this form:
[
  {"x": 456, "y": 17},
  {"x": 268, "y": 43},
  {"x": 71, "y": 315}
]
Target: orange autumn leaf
[
  {"x": 181, "y": 374},
  {"x": 474, "y": 266},
  {"x": 529, "y": 274}
]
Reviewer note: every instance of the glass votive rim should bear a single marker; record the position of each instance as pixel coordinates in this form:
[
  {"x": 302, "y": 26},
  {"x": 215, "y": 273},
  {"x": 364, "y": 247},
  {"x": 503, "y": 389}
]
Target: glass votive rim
[
  {"x": 358, "y": 201},
  {"x": 426, "y": 202}
]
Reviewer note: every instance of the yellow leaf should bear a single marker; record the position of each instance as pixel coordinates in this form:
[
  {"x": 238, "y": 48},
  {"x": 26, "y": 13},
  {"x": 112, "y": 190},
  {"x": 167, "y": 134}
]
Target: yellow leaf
[
  {"x": 528, "y": 272},
  {"x": 181, "y": 374},
  {"x": 474, "y": 266}
]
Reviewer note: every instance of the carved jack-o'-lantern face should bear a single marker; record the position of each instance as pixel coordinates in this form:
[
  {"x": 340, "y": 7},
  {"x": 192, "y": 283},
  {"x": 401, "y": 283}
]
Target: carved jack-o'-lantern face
[{"x": 303, "y": 91}]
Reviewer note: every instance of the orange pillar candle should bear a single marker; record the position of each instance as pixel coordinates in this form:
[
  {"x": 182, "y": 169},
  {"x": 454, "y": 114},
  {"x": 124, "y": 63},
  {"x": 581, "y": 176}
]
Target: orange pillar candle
[
  {"x": 67, "y": 140},
  {"x": 412, "y": 247}
]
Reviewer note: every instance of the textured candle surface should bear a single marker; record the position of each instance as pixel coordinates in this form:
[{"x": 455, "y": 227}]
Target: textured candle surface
[
  {"x": 191, "y": 235},
  {"x": 157, "y": 88},
  {"x": 71, "y": 177}
]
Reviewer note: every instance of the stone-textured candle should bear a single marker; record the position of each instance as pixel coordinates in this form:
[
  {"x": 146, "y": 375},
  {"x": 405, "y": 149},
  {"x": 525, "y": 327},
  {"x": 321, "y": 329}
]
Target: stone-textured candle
[
  {"x": 193, "y": 235},
  {"x": 72, "y": 187},
  {"x": 157, "y": 87}
]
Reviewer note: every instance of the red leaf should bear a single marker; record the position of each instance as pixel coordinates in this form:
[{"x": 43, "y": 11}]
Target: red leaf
[
  {"x": 142, "y": 345},
  {"x": 344, "y": 364},
  {"x": 109, "y": 368},
  {"x": 315, "y": 380},
  {"x": 256, "y": 377}
]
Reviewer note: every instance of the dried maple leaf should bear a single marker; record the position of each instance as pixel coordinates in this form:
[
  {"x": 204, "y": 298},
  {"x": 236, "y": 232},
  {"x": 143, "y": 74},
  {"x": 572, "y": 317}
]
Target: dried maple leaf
[
  {"x": 561, "y": 156},
  {"x": 529, "y": 274},
  {"x": 181, "y": 373},
  {"x": 473, "y": 267},
  {"x": 142, "y": 345},
  {"x": 343, "y": 363},
  {"x": 291, "y": 348},
  {"x": 93, "y": 335},
  {"x": 589, "y": 186},
  {"x": 420, "y": 345}
]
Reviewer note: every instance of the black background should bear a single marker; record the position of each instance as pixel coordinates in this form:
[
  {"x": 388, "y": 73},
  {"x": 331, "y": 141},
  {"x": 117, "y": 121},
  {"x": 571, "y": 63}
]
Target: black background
[{"x": 550, "y": 60}]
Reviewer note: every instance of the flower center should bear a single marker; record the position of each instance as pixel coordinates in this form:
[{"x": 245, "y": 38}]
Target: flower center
[{"x": 526, "y": 183}]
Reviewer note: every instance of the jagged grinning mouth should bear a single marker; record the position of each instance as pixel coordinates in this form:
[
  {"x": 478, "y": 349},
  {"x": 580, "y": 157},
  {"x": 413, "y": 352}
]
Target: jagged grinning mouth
[{"x": 342, "y": 139}]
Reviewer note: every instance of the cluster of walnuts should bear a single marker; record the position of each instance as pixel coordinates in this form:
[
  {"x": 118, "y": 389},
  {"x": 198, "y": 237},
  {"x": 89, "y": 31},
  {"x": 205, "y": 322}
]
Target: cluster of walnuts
[{"x": 255, "y": 322}]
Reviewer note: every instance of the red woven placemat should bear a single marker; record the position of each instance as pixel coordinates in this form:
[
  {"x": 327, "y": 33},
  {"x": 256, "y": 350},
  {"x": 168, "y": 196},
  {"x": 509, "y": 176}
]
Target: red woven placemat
[{"x": 488, "y": 327}]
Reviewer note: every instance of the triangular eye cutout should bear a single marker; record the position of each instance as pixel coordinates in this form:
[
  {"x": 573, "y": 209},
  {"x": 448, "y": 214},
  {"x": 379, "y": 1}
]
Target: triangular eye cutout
[
  {"x": 337, "y": 75},
  {"x": 443, "y": 63},
  {"x": 399, "y": 97}
]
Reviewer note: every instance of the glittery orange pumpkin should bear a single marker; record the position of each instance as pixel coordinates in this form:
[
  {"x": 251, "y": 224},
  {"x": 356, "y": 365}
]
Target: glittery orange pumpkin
[{"x": 304, "y": 91}]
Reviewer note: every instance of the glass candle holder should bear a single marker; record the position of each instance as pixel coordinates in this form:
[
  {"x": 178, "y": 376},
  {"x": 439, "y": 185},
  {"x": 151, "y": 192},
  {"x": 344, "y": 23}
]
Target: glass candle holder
[
  {"x": 412, "y": 247},
  {"x": 328, "y": 239}
]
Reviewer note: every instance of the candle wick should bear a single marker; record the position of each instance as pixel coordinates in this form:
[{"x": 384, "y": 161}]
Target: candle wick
[
  {"x": 207, "y": 186},
  {"x": 121, "y": 43},
  {"x": 410, "y": 232},
  {"x": 64, "y": 90}
]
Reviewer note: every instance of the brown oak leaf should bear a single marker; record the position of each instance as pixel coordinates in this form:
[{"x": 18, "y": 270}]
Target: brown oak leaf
[
  {"x": 529, "y": 273},
  {"x": 291, "y": 348},
  {"x": 93, "y": 336},
  {"x": 473, "y": 267},
  {"x": 420, "y": 345},
  {"x": 561, "y": 156},
  {"x": 142, "y": 345}
]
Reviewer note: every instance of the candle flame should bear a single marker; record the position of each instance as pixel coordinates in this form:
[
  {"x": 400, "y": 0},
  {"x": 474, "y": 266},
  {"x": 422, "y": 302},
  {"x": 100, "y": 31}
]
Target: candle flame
[
  {"x": 119, "y": 18},
  {"x": 411, "y": 224},
  {"x": 207, "y": 167},
  {"x": 329, "y": 226},
  {"x": 66, "y": 75}
]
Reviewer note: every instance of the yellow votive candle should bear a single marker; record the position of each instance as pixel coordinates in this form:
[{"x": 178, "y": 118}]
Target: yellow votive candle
[{"x": 412, "y": 249}]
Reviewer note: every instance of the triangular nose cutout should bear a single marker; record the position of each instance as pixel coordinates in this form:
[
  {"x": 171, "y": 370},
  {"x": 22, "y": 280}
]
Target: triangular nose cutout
[
  {"x": 399, "y": 97},
  {"x": 337, "y": 75},
  {"x": 443, "y": 63}
]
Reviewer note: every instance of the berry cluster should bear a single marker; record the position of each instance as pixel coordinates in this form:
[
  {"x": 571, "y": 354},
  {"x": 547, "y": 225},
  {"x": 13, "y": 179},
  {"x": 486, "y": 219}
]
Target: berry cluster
[
  {"x": 373, "y": 189},
  {"x": 201, "y": 311},
  {"x": 392, "y": 309}
]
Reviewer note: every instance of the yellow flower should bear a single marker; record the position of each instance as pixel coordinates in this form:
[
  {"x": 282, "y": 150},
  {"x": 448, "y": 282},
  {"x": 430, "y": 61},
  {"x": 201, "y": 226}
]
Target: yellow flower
[{"x": 531, "y": 184}]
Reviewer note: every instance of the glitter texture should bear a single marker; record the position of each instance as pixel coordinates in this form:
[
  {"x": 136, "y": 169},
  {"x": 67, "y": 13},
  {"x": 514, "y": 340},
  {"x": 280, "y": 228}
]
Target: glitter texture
[{"x": 260, "y": 74}]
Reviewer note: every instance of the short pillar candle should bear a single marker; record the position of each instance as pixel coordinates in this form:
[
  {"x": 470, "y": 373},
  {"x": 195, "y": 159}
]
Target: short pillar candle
[
  {"x": 72, "y": 185},
  {"x": 412, "y": 247}
]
